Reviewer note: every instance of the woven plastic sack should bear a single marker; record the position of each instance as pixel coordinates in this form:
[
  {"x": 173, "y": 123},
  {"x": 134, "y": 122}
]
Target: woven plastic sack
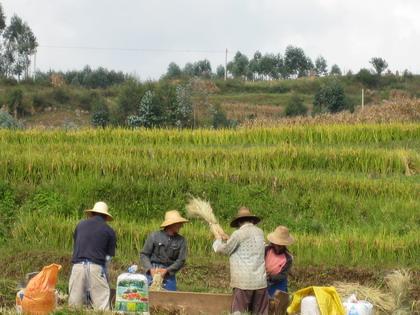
[{"x": 39, "y": 297}]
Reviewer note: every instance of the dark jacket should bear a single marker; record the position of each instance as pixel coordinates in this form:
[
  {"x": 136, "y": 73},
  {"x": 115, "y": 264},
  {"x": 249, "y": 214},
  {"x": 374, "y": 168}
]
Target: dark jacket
[
  {"x": 167, "y": 251},
  {"x": 93, "y": 240}
]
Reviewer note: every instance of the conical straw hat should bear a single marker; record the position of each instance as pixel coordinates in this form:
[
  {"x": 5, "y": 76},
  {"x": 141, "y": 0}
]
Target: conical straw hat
[
  {"x": 102, "y": 208},
  {"x": 172, "y": 217},
  {"x": 244, "y": 213},
  {"x": 281, "y": 236}
]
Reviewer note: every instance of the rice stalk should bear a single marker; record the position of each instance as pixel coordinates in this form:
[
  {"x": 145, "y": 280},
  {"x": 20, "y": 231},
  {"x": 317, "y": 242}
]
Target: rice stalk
[
  {"x": 157, "y": 282},
  {"x": 197, "y": 208},
  {"x": 399, "y": 284}
]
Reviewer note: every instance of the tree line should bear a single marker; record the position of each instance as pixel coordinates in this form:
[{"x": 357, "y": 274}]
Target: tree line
[{"x": 294, "y": 63}]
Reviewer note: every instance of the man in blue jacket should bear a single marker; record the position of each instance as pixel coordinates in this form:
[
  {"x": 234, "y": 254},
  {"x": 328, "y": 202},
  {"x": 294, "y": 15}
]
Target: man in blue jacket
[{"x": 94, "y": 245}]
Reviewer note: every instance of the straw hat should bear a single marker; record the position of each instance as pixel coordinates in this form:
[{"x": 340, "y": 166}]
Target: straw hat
[
  {"x": 101, "y": 208},
  {"x": 281, "y": 236},
  {"x": 244, "y": 213},
  {"x": 172, "y": 217}
]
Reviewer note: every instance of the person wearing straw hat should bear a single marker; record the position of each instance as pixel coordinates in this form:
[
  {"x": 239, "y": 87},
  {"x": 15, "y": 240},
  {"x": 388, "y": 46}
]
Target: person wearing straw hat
[
  {"x": 248, "y": 278},
  {"x": 94, "y": 246},
  {"x": 165, "y": 251},
  {"x": 278, "y": 260}
]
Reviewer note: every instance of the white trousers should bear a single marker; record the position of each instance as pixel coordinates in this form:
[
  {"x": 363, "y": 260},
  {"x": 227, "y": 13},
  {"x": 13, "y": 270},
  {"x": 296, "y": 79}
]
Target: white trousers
[{"x": 89, "y": 286}]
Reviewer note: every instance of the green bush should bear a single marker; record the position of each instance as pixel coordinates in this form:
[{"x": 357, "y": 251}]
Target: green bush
[
  {"x": 220, "y": 119},
  {"x": 87, "y": 99},
  {"x": 8, "y": 122},
  {"x": 60, "y": 95},
  {"x": 100, "y": 114},
  {"x": 39, "y": 101},
  {"x": 295, "y": 107},
  {"x": 330, "y": 98}
]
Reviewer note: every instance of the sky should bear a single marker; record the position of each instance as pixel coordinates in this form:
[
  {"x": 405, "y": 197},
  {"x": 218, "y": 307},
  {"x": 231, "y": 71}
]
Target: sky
[{"x": 142, "y": 37}]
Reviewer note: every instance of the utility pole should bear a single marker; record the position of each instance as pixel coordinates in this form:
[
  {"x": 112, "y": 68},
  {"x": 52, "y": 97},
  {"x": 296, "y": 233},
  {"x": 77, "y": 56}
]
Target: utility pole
[
  {"x": 34, "y": 66},
  {"x": 363, "y": 98},
  {"x": 226, "y": 64}
]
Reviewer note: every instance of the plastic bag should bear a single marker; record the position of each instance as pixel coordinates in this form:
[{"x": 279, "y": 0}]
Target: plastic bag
[
  {"x": 353, "y": 306},
  {"x": 39, "y": 296},
  {"x": 309, "y": 306}
]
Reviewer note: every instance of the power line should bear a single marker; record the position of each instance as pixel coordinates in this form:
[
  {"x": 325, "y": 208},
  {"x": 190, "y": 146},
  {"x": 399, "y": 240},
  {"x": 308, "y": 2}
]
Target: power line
[{"x": 154, "y": 50}]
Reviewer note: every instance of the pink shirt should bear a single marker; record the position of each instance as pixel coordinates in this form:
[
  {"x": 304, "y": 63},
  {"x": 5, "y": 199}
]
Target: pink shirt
[{"x": 274, "y": 263}]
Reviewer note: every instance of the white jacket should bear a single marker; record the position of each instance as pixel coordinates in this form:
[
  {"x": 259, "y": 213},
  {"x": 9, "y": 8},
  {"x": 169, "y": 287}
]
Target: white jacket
[{"x": 246, "y": 250}]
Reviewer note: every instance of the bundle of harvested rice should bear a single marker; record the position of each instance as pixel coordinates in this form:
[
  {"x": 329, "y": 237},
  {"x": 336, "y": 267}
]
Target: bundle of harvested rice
[
  {"x": 380, "y": 300},
  {"x": 399, "y": 283},
  {"x": 157, "y": 282},
  {"x": 197, "y": 208}
]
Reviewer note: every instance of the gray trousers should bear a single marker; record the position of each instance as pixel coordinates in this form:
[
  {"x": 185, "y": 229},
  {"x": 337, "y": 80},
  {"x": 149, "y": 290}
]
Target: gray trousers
[
  {"x": 250, "y": 301},
  {"x": 89, "y": 285}
]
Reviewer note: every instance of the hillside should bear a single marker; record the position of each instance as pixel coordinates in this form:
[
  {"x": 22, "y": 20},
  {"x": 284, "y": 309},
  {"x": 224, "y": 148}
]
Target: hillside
[{"x": 70, "y": 106}]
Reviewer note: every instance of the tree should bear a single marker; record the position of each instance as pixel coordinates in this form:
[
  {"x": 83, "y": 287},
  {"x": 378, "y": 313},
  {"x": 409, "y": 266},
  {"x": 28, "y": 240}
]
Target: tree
[
  {"x": 296, "y": 62},
  {"x": 379, "y": 65},
  {"x": 20, "y": 44},
  {"x": 2, "y": 19},
  {"x": 335, "y": 70},
  {"x": 220, "y": 72},
  {"x": 295, "y": 107},
  {"x": 188, "y": 69},
  {"x": 202, "y": 68},
  {"x": 407, "y": 74},
  {"x": 100, "y": 114},
  {"x": 321, "y": 68},
  {"x": 184, "y": 109},
  {"x": 149, "y": 113},
  {"x": 255, "y": 65},
  {"x": 330, "y": 98},
  {"x": 367, "y": 78},
  {"x": 174, "y": 71},
  {"x": 129, "y": 96},
  {"x": 268, "y": 66},
  {"x": 239, "y": 66}
]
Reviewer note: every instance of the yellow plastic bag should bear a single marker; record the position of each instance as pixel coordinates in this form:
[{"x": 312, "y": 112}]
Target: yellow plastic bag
[
  {"x": 39, "y": 296},
  {"x": 329, "y": 302}
]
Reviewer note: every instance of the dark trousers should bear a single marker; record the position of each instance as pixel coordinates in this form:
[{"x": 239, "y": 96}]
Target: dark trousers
[{"x": 252, "y": 301}]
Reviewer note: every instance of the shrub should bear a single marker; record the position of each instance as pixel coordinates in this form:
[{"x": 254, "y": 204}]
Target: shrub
[
  {"x": 220, "y": 119},
  {"x": 88, "y": 99},
  {"x": 15, "y": 101},
  {"x": 39, "y": 101},
  {"x": 7, "y": 121},
  {"x": 60, "y": 95},
  {"x": 330, "y": 98},
  {"x": 100, "y": 114},
  {"x": 295, "y": 107}
]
